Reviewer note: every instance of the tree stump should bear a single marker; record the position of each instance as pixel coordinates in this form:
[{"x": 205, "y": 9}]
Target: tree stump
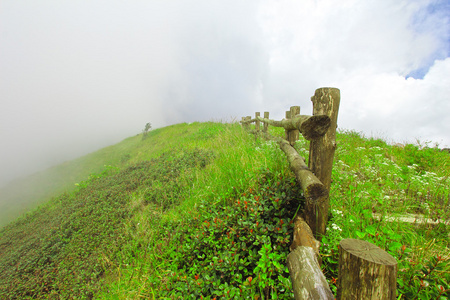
[{"x": 365, "y": 271}]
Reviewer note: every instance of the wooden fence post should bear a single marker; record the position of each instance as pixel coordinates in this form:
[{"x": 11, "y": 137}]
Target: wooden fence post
[
  {"x": 247, "y": 125},
  {"x": 365, "y": 272},
  {"x": 321, "y": 154},
  {"x": 288, "y": 116},
  {"x": 266, "y": 126},
  {"x": 294, "y": 134},
  {"x": 257, "y": 124}
]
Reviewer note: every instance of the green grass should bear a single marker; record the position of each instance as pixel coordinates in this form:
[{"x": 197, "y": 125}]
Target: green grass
[
  {"x": 204, "y": 210},
  {"x": 369, "y": 177}
]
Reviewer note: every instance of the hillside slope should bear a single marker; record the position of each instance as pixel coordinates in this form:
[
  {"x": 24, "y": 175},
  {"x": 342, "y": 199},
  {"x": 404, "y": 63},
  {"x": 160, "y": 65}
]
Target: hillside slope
[
  {"x": 27, "y": 193},
  {"x": 205, "y": 210}
]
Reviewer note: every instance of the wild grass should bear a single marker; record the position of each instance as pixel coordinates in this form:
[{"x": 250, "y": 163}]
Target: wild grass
[
  {"x": 370, "y": 176},
  {"x": 204, "y": 210}
]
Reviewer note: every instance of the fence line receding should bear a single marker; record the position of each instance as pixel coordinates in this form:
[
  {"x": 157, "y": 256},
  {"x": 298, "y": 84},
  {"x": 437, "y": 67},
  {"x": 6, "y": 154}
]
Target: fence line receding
[{"x": 358, "y": 261}]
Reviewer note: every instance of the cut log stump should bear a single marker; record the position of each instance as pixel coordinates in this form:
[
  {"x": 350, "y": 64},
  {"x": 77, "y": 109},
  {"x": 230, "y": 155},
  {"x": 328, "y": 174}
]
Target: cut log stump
[{"x": 365, "y": 271}]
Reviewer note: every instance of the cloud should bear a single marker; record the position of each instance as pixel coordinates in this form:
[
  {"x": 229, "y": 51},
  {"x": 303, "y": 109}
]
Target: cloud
[
  {"x": 367, "y": 49},
  {"x": 77, "y": 76},
  {"x": 403, "y": 110}
]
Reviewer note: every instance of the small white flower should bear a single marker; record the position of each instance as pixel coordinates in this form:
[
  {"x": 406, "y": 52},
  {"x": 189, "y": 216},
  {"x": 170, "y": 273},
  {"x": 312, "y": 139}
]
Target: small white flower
[
  {"x": 338, "y": 212},
  {"x": 335, "y": 227}
]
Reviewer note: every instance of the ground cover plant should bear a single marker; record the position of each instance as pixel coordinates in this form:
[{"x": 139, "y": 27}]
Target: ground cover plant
[
  {"x": 58, "y": 250},
  {"x": 237, "y": 251},
  {"x": 204, "y": 210}
]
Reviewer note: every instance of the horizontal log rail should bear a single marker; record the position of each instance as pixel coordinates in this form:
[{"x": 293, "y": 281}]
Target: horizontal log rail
[
  {"x": 311, "y": 127},
  {"x": 308, "y": 281},
  {"x": 313, "y": 188}
]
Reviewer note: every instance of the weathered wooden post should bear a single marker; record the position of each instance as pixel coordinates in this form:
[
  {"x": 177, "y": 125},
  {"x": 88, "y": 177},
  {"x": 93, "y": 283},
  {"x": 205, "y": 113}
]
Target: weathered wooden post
[
  {"x": 321, "y": 154},
  {"x": 288, "y": 116},
  {"x": 248, "y": 118},
  {"x": 266, "y": 125},
  {"x": 294, "y": 134},
  {"x": 365, "y": 272},
  {"x": 245, "y": 123},
  {"x": 257, "y": 124}
]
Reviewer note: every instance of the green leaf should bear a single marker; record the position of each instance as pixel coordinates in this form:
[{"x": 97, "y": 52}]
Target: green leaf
[
  {"x": 360, "y": 234},
  {"x": 395, "y": 246},
  {"x": 371, "y": 230},
  {"x": 424, "y": 296}
]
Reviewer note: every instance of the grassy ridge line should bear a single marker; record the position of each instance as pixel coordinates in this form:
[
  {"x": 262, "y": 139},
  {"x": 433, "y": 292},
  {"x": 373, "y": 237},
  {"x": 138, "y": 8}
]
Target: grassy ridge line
[
  {"x": 25, "y": 194},
  {"x": 68, "y": 223},
  {"x": 211, "y": 194},
  {"x": 369, "y": 176},
  {"x": 238, "y": 185}
]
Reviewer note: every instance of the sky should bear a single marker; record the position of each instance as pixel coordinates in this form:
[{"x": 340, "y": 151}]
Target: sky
[{"x": 76, "y": 76}]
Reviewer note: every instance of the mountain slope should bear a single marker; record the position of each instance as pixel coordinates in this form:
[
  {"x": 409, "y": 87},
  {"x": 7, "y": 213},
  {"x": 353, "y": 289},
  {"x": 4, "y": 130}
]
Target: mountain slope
[
  {"x": 27, "y": 193},
  {"x": 205, "y": 209}
]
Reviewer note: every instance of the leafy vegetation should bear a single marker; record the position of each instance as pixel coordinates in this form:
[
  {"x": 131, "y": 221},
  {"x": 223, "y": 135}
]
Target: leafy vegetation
[
  {"x": 204, "y": 211},
  {"x": 61, "y": 252}
]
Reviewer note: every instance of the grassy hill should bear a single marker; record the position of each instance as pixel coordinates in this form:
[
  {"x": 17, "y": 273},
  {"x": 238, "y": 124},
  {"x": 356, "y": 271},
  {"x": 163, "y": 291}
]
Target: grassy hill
[
  {"x": 24, "y": 194},
  {"x": 204, "y": 210}
]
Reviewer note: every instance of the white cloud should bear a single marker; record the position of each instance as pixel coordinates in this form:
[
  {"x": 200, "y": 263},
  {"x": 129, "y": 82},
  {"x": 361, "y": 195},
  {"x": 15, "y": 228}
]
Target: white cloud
[
  {"x": 365, "y": 48},
  {"x": 75, "y": 76},
  {"x": 399, "y": 109}
]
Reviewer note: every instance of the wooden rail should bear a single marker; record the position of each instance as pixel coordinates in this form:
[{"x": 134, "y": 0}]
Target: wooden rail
[{"x": 304, "y": 260}]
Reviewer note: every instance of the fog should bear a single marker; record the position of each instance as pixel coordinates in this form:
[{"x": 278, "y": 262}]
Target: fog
[{"x": 76, "y": 76}]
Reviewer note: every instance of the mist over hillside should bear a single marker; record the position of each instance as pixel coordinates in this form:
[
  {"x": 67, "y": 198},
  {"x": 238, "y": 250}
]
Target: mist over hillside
[{"x": 78, "y": 76}]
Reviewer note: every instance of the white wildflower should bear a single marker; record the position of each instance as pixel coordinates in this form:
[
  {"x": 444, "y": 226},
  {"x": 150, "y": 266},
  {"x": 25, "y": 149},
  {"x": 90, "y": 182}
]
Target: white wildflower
[
  {"x": 335, "y": 227},
  {"x": 338, "y": 212}
]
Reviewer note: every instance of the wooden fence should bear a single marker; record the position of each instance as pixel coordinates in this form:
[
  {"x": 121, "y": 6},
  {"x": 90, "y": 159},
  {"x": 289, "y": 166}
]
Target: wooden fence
[{"x": 365, "y": 270}]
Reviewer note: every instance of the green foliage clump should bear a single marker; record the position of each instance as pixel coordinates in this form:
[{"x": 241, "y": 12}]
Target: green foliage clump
[
  {"x": 63, "y": 249},
  {"x": 229, "y": 252}
]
